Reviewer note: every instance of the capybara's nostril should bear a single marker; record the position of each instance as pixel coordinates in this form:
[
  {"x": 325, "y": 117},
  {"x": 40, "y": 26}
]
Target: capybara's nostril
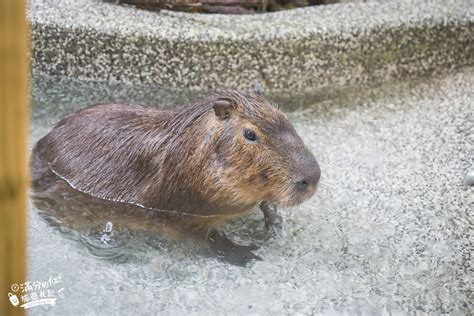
[
  {"x": 307, "y": 183},
  {"x": 310, "y": 178},
  {"x": 302, "y": 185}
]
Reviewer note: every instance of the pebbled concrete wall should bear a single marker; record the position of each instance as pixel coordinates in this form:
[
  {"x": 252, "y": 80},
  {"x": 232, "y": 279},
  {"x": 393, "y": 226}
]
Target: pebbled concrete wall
[{"x": 322, "y": 47}]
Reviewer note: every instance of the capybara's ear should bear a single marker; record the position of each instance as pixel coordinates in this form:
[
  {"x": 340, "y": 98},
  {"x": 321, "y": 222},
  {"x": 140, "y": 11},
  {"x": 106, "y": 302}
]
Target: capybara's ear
[{"x": 223, "y": 107}]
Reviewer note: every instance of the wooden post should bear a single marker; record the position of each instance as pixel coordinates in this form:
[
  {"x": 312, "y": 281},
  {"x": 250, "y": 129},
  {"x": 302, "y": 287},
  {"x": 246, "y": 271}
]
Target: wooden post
[{"x": 14, "y": 117}]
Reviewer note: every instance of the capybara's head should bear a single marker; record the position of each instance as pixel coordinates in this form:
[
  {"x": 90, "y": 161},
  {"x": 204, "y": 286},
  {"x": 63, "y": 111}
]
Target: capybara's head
[{"x": 259, "y": 153}]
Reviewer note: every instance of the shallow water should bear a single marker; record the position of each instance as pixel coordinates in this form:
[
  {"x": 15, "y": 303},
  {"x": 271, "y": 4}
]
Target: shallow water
[{"x": 389, "y": 230}]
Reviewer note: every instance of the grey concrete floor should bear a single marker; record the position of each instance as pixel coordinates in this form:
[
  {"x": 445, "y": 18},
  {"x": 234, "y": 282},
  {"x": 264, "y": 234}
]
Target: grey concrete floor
[{"x": 390, "y": 229}]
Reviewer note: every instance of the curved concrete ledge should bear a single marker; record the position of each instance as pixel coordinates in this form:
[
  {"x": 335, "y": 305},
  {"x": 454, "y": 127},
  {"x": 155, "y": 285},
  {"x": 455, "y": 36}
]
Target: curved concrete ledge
[{"x": 303, "y": 49}]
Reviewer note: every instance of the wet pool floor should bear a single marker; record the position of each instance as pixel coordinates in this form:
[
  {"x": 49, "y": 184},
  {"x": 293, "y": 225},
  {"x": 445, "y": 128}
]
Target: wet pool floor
[{"x": 389, "y": 230}]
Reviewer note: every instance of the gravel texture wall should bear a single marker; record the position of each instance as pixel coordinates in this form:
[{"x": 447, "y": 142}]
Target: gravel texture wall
[{"x": 320, "y": 47}]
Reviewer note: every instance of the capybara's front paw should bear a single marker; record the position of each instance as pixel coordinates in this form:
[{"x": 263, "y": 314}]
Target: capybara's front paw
[
  {"x": 229, "y": 251},
  {"x": 273, "y": 219}
]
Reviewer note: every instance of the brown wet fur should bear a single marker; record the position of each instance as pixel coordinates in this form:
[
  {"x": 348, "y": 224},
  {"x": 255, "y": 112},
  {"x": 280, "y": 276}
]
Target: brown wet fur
[
  {"x": 63, "y": 206},
  {"x": 193, "y": 163}
]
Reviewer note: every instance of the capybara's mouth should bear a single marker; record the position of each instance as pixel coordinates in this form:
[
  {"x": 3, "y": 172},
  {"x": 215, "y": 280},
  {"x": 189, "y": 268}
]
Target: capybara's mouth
[{"x": 297, "y": 197}]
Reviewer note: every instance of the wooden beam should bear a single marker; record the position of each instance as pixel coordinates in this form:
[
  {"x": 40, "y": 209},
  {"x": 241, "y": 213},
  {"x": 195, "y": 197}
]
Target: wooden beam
[{"x": 14, "y": 117}]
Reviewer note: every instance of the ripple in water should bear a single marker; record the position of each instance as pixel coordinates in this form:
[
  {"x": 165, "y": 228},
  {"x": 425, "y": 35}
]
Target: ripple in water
[{"x": 106, "y": 243}]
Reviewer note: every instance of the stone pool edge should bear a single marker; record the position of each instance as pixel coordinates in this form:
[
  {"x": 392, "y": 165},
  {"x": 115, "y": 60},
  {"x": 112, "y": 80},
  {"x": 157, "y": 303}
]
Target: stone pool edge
[{"x": 295, "y": 51}]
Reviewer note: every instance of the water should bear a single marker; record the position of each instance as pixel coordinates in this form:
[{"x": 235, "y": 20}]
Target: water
[{"x": 389, "y": 230}]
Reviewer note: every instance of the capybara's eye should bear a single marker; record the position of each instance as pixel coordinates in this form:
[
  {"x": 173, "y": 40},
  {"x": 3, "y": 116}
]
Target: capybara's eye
[{"x": 249, "y": 134}]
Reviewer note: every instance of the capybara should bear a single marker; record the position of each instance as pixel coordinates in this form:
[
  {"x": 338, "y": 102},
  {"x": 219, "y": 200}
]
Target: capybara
[{"x": 209, "y": 162}]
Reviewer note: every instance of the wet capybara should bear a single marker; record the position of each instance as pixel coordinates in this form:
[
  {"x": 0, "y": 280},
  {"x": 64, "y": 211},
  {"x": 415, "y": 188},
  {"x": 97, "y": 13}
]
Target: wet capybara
[{"x": 209, "y": 162}]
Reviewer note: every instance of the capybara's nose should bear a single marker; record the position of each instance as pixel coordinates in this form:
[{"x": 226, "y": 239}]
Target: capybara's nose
[{"x": 309, "y": 178}]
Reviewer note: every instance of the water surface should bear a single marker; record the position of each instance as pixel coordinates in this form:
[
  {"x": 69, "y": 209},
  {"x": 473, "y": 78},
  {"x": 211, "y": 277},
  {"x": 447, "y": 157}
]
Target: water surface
[{"x": 389, "y": 230}]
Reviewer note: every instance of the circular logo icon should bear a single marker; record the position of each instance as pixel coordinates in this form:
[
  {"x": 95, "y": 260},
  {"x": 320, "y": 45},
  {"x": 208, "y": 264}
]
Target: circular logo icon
[{"x": 15, "y": 287}]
